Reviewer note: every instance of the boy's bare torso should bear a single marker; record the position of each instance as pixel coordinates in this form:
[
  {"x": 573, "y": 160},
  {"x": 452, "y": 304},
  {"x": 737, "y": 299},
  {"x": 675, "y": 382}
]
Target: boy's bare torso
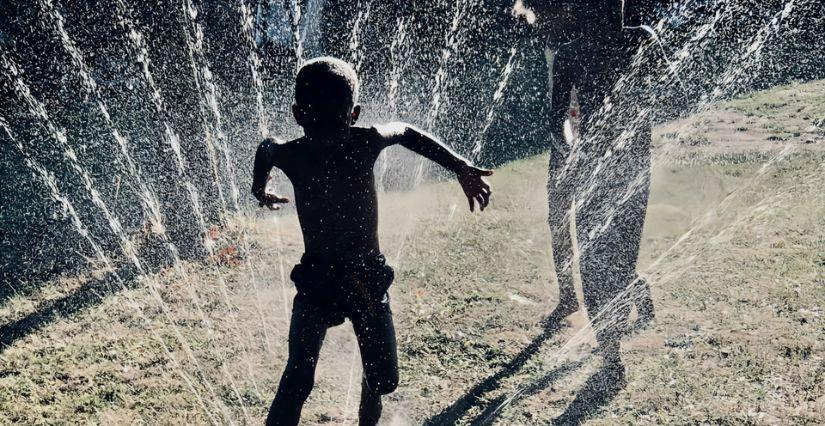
[{"x": 335, "y": 192}]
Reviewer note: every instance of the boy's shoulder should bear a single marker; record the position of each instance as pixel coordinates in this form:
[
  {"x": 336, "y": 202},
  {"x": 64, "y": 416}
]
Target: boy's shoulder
[
  {"x": 277, "y": 145},
  {"x": 367, "y": 134},
  {"x": 390, "y": 130},
  {"x": 382, "y": 135},
  {"x": 366, "y": 137}
]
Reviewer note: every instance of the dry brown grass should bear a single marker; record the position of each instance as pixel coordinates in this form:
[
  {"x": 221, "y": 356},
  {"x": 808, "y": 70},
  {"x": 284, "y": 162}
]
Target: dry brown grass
[{"x": 739, "y": 336}]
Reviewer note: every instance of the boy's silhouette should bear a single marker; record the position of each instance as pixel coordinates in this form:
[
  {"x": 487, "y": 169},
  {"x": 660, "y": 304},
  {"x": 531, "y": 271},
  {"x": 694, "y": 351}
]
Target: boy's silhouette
[{"x": 342, "y": 273}]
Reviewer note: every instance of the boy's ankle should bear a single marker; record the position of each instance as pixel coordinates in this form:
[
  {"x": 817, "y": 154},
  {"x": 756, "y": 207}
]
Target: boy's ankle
[{"x": 370, "y": 409}]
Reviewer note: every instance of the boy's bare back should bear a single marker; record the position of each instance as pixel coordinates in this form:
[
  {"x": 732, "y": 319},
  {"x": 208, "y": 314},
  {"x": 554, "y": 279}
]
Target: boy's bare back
[
  {"x": 334, "y": 191},
  {"x": 334, "y": 183}
]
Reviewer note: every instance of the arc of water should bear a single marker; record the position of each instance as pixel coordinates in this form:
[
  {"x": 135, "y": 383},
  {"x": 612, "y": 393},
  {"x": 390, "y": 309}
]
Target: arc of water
[
  {"x": 149, "y": 202},
  {"x": 203, "y": 79},
  {"x": 396, "y": 58},
  {"x": 352, "y": 364},
  {"x": 498, "y": 96},
  {"x": 452, "y": 43},
  {"x": 247, "y": 23},
  {"x": 297, "y": 37},
  {"x": 355, "y": 47},
  {"x": 397, "y": 54},
  {"x": 38, "y": 110},
  {"x": 172, "y": 139},
  {"x": 254, "y": 65},
  {"x": 126, "y": 245}
]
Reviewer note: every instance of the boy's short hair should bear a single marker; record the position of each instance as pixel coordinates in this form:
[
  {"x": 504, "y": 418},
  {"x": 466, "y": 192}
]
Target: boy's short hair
[{"x": 323, "y": 79}]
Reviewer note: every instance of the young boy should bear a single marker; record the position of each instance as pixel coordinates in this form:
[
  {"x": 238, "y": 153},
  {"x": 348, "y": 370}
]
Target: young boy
[{"x": 342, "y": 273}]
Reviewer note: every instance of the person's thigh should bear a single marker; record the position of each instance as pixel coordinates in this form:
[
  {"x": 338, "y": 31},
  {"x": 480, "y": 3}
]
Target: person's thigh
[
  {"x": 628, "y": 203},
  {"x": 563, "y": 76},
  {"x": 375, "y": 332}
]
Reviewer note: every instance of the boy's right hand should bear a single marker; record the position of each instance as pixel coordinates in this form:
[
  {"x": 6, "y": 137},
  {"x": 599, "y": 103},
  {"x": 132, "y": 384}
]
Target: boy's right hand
[
  {"x": 475, "y": 186},
  {"x": 271, "y": 201}
]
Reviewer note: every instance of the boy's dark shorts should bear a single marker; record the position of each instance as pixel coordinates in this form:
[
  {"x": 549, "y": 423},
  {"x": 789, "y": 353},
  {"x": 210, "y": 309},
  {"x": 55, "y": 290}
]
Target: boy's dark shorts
[{"x": 344, "y": 288}]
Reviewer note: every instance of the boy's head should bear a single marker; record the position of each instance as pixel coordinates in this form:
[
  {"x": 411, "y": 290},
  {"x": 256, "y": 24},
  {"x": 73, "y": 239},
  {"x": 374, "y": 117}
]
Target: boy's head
[{"x": 326, "y": 95}]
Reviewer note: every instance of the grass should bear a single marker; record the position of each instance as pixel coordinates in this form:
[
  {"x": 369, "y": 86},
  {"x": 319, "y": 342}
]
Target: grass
[{"x": 734, "y": 251}]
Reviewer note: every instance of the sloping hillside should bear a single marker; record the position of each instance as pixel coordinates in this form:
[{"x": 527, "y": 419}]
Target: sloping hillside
[{"x": 734, "y": 249}]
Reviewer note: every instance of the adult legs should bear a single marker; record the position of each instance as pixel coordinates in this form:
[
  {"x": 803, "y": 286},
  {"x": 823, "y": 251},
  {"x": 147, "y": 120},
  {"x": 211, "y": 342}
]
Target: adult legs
[
  {"x": 611, "y": 222},
  {"x": 306, "y": 334},
  {"x": 560, "y": 191},
  {"x": 630, "y": 218},
  {"x": 376, "y": 340},
  {"x": 560, "y": 194},
  {"x": 602, "y": 216}
]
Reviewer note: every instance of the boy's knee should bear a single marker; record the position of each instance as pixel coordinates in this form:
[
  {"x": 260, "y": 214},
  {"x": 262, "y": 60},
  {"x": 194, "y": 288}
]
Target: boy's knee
[
  {"x": 386, "y": 384},
  {"x": 390, "y": 384}
]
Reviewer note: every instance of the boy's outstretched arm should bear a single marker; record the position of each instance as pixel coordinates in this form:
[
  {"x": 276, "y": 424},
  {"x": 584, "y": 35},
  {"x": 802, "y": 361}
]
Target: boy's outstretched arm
[
  {"x": 470, "y": 177},
  {"x": 265, "y": 158}
]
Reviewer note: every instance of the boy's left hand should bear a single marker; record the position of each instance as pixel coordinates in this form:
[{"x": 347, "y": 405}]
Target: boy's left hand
[
  {"x": 475, "y": 187},
  {"x": 271, "y": 201}
]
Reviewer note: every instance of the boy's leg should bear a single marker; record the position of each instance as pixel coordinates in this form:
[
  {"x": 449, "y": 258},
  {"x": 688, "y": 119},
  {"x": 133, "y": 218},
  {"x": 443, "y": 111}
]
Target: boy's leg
[
  {"x": 306, "y": 334},
  {"x": 376, "y": 341}
]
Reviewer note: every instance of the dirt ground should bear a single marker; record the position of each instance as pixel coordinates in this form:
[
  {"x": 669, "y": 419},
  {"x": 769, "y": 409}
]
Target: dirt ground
[{"x": 734, "y": 249}]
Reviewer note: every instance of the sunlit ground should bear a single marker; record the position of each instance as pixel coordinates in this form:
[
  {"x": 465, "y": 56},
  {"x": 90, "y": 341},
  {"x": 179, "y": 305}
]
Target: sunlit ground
[{"x": 734, "y": 249}]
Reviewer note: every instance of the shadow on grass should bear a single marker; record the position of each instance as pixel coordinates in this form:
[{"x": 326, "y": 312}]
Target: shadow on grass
[
  {"x": 472, "y": 398},
  {"x": 598, "y": 391},
  {"x": 495, "y": 406},
  {"x": 91, "y": 293}
]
